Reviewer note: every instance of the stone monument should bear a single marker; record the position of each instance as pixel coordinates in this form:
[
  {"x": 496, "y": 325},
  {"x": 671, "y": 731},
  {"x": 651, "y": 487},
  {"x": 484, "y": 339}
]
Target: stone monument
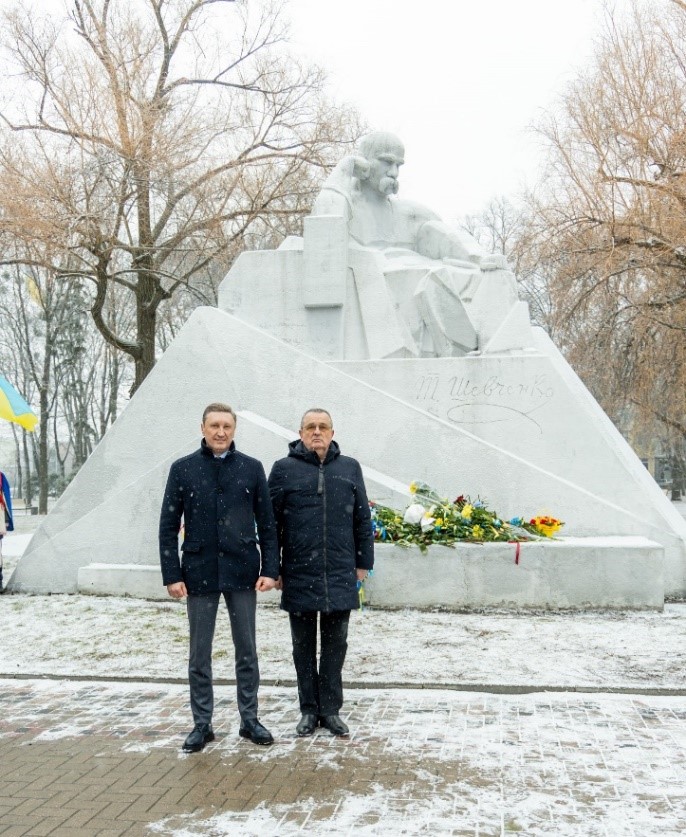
[
  {"x": 417, "y": 342},
  {"x": 378, "y": 277}
]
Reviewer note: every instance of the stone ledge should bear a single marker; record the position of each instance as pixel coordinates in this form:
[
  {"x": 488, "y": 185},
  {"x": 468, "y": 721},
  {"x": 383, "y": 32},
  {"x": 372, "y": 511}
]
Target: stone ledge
[
  {"x": 623, "y": 573},
  {"x": 139, "y": 581}
]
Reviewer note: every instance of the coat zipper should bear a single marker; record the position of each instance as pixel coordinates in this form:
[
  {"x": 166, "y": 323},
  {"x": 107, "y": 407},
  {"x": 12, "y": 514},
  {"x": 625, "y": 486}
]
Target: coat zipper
[{"x": 321, "y": 489}]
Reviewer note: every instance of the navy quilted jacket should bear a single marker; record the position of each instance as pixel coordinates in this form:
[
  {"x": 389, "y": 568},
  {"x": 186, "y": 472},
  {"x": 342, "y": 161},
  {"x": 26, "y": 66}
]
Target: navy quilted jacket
[{"x": 323, "y": 527}]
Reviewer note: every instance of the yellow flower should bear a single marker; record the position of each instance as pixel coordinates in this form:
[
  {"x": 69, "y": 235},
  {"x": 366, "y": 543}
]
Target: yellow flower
[
  {"x": 439, "y": 521},
  {"x": 413, "y": 488},
  {"x": 477, "y": 532},
  {"x": 467, "y": 511},
  {"x": 547, "y": 525}
]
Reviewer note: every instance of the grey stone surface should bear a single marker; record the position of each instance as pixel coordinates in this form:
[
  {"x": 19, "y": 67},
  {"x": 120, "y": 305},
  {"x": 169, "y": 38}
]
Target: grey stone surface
[{"x": 565, "y": 574}]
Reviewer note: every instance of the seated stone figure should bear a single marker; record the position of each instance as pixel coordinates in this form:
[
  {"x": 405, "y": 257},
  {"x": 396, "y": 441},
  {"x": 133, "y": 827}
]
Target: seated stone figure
[
  {"x": 362, "y": 187},
  {"x": 375, "y": 276},
  {"x": 424, "y": 274}
]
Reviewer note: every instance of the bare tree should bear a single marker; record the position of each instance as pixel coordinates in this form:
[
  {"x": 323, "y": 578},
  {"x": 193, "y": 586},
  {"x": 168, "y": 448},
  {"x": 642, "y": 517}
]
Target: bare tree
[
  {"x": 60, "y": 361},
  {"x": 506, "y": 228},
  {"x": 609, "y": 219},
  {"x": 148, "y": 138},
  {"x": 15, "y": 368},
  {"x": 35, "y": 311}
]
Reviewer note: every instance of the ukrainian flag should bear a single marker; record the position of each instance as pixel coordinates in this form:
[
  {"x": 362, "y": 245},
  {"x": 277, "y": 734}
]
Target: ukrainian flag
[{"x": 14, "y": 408}]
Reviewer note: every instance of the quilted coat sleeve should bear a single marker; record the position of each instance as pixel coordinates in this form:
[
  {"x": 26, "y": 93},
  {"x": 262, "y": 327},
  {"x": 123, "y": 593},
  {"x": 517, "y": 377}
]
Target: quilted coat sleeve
[
  {"x": 364, "y": 539},
  {"x": 170, "y": 522},
  {"x": 266, "y": 527},
  {"x": 276, "y": 492}
]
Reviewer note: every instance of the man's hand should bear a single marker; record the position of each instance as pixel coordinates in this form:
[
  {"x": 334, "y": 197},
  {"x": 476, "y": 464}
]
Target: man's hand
[
  {"x": 265, "y": 583},
  {"x": 360, "y": 167},
  {"x": 361, "y": 574},
  {"x": 177, "y": 590}
]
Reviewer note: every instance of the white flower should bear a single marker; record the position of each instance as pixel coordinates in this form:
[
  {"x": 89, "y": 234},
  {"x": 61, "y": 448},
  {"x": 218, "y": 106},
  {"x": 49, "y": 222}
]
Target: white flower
[
  {"x": 428, "y": 523},
  {"x": 414, "y": 514}
]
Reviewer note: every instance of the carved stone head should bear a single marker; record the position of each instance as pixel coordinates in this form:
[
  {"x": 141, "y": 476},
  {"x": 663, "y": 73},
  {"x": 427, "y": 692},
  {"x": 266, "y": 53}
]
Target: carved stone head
[{"x": 385, "y": 154}]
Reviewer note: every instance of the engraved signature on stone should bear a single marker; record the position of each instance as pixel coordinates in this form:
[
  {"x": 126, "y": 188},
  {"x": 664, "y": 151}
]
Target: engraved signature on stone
[{"x": 487, "y": 396}]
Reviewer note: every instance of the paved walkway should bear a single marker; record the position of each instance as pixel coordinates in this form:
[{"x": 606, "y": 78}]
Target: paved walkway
[{"x": 85, "y": 759}]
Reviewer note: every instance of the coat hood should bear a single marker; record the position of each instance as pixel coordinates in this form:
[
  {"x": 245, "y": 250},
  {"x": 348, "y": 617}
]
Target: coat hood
[{"x": 297, "y": 449}]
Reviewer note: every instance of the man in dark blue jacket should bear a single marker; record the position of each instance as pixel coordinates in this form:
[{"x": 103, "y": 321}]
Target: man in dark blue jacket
[
  {"x": 6, "y": 521},
  {"x": 326, "y": 544},
  {"x": 221, "y": 494}
]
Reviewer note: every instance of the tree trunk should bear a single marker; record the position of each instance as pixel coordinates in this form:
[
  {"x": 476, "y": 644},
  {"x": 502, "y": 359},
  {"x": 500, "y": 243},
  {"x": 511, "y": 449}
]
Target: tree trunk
[
  {"x": 678, "y": 477},
  {"x": 28, "y": 488},
  {"x": 147, "y": 301},
  {"x": 114, "y": 386},
  {"x": 19, "y": 487},
  {"x": 43, "y": 450}
]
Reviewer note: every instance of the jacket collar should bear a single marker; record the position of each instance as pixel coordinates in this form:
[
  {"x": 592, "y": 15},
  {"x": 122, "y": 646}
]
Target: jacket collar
[
  {"x": 299, "y": 451},
  {"x": 206, "y": 450}
]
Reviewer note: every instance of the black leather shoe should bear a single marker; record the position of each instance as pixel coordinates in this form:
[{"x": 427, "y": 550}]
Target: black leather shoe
[
  {"x": 196, "y": 740},
  {"x": 307, "y": 725},
  {"x": 254, "y": 730},
  {"x": 334, "y": 724}
]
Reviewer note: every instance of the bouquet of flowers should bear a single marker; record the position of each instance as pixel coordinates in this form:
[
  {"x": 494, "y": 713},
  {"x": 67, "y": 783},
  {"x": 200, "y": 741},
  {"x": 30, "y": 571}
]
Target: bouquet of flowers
[
  {"x": 432, "y": 519},
  {"x": 546, "y": 525}
]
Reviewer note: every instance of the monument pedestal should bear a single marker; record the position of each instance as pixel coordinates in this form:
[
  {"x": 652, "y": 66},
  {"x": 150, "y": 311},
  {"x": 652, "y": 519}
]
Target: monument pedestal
[
  {"x": 623, "y": 573},
  {"x": 527, "y": 441}
]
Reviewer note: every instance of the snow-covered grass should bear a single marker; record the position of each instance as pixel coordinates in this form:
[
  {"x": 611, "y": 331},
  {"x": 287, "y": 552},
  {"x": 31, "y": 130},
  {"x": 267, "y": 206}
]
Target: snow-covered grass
[{"x": 107, "y": 636}]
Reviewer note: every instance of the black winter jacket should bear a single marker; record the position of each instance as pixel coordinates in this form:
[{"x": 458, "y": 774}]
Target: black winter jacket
[
  {"x": 323, "y": 527},
  {"x": 220, "y": 501}
]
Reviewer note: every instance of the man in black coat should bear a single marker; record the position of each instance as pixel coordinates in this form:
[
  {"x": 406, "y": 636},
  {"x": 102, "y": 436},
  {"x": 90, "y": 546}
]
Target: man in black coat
[
  {"x": 221, "y": 494},
  {"x": 326, "y": 544}
]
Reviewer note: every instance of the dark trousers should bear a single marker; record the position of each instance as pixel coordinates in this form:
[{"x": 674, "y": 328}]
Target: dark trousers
[
  {"x": 320, "y": 690},
  {"x": 202, "y": 616}
]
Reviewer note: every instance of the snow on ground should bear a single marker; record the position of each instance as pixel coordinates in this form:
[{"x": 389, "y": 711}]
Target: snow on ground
[
  {"x": 108, "y": 636},
  {"x": 539, "y": 764}
]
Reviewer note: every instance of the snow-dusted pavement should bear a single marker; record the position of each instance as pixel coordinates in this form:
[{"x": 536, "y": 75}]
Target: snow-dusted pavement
[
  {"x": 441, "y": 752},
  {"x": 102, "y": 758}
]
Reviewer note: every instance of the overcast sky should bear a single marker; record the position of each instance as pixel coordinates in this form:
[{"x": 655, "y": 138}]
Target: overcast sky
[{"x": 458, "y": 80}]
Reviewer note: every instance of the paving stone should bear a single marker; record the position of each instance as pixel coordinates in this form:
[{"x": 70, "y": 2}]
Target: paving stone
[{"x": 105, "y": 759}]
